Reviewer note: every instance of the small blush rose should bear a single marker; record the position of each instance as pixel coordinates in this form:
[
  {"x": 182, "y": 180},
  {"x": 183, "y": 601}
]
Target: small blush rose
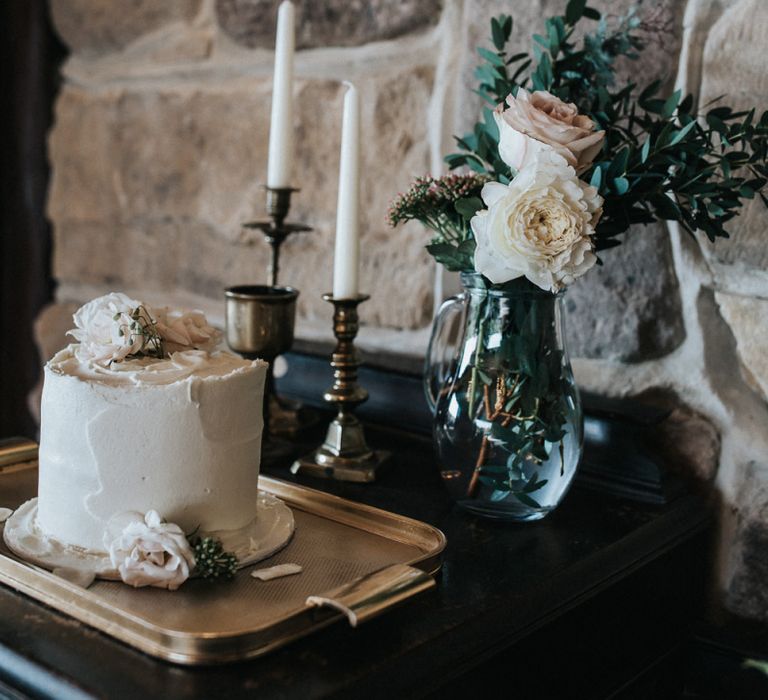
[
  {"x": 148, "y": 552},
  {"x": 540, "y": 226},
  {"x": 103, "y": 328},
  {"x": 186, "y": 331},
  {"x": 539, "y": 121}
]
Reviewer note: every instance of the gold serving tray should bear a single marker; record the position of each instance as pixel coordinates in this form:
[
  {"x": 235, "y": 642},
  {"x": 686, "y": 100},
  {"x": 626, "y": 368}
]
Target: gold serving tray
[{"x": 363, "y": 558}]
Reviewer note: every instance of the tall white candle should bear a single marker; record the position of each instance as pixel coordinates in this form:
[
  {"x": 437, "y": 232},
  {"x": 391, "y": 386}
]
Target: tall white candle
[
  {"x": 281, "y": 126},
  {"x": 347, "y": 252}
]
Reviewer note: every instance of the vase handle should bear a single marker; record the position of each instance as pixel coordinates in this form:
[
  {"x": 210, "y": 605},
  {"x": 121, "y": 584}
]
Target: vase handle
[{"x": 443, "y": 350}]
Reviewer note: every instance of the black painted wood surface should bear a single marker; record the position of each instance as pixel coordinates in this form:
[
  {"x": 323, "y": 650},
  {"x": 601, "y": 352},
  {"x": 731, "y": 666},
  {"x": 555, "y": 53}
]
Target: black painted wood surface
[
  {"x": 576, "y": 605},
  {"x": 621, "y": 446}
]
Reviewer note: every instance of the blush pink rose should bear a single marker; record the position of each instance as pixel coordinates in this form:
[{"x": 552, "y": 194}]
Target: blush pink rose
[
  {"x": 538, "y": 121},
  {"x": 147, "y": 551},
  {"x": 186, "y": 331}
]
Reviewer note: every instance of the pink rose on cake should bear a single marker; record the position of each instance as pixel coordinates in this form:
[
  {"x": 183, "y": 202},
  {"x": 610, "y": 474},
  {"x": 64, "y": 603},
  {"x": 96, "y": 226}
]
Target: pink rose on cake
[
  {"x": 147, "y": 551},
  {"x": 186, "y": 331},
  {"x": 539, "y": 121},
  {"x": 107, "y": 330}
]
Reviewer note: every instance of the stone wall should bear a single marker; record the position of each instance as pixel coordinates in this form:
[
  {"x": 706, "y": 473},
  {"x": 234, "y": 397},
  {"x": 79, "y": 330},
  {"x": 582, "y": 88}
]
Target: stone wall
[{"x": 159, "y": 154}]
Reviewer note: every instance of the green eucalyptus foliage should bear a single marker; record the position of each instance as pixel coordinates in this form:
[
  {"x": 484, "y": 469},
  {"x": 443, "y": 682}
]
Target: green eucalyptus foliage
[
  {"x": 525, "y": 382},
  {"x": 661, "y": 159},
  {"x": 211, "y": 561}
]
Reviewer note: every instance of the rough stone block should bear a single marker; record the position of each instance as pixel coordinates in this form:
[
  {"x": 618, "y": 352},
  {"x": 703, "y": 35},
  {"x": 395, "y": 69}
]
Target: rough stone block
[
  {"x": 83, "y": 187},
  {"x": 329, "y": 23},
  {"x": 96, "y": 27},
  {"x": 138, "y": 156},
  {"x": 154, "y": 255},
  {"x": 746, "y": 592},
  {"x": 151, "y": 188},
  {"x": 175, "y": 46},
  {"x": 687, "y": 440},
  {"x": 629, "y": 308},
  {"x": 734, "y": 68},
  {"x": 748, "y": 319}
]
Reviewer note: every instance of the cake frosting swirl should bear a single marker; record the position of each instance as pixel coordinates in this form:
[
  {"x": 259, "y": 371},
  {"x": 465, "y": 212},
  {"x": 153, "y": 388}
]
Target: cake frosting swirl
[{"x": 148, "y": 370}]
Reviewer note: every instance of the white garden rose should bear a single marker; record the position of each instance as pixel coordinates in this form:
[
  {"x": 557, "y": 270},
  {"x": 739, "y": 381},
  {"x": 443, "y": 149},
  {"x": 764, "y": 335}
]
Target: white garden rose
[
  {"x": 539, "y": 121},
  {"x": 540, "y": 226},
  {"x": 186, "y": 331},
  {"x": 148, "y": 552},
  {"x": 104, "y": 329}
]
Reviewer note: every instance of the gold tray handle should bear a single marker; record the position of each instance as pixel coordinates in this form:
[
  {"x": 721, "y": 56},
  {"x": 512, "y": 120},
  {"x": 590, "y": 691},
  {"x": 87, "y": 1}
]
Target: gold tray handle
[
  {"x": 373, "y": 594},
  {"x": 17, "y": 449}
]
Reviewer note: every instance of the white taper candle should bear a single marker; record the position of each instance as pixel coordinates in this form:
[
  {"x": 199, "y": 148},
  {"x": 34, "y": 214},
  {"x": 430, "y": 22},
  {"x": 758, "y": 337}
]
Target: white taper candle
[
  {"x": 281, "y": 125},
  {"x": 347, "y": 252}
]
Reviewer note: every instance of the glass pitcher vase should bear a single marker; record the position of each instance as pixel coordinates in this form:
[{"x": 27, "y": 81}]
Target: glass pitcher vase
[{"x": 508, "y": 424}]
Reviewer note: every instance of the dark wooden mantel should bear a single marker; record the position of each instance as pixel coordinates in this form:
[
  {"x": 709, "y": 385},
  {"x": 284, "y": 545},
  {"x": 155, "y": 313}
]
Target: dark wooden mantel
[{"x": 599, "y": 596}]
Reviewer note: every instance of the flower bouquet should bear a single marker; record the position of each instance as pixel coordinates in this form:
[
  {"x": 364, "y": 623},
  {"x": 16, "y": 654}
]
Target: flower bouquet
[{"x": 562, "y": 163}]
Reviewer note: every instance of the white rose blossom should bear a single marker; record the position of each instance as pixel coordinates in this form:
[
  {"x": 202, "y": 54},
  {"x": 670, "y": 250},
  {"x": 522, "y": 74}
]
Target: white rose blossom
[
  {"x": 148, "y": 552},
  {"x": 540, "y": 226},
  {"x": 538, "y": 122},
  {"x": 186, "y": 331},
  {"x": 103, "y": 329}
]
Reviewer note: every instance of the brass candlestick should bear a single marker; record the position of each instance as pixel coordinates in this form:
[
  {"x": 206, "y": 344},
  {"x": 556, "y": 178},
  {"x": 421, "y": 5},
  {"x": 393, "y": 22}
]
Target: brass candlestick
[
  {"x": 276, "y": 230},
  {"x": 344, "y": 455},
  {"x": 286, "y": 416}
]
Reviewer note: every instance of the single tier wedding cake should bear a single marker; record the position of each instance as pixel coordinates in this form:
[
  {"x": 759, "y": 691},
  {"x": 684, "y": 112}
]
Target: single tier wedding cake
[{"x": 150, "y": 442}]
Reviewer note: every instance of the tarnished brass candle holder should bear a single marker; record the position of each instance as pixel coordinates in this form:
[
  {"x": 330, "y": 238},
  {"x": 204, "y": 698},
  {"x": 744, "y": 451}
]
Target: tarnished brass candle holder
[
  {"x": 287, "y": 417},
  {"x": 259, "y": 324},
  {"x": 345, "y": 454},
  {"x": 276, "y": 230}
]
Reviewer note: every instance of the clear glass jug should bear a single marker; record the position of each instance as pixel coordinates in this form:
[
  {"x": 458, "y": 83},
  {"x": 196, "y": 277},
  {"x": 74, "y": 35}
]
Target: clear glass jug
[{"x": 508, "y": 425}]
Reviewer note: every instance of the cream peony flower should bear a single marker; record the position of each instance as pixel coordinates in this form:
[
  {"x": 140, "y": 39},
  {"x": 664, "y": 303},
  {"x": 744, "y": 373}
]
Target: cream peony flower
[
  {"x": 538, "y": 122},
  {"x": 103, "y": 329},
  {"x": 148, "y": 552},
  {"x": 186, "y": 331},
  {"x": 539, "y": 226}
]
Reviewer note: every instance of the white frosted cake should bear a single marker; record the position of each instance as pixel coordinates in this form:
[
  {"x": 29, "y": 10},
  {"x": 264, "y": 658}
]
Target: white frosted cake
[{"x": 148, "y": 434}]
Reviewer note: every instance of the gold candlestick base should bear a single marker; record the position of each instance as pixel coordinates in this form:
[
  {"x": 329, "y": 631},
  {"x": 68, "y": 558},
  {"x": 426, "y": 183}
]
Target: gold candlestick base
[{"x": 344, "y": 454}]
